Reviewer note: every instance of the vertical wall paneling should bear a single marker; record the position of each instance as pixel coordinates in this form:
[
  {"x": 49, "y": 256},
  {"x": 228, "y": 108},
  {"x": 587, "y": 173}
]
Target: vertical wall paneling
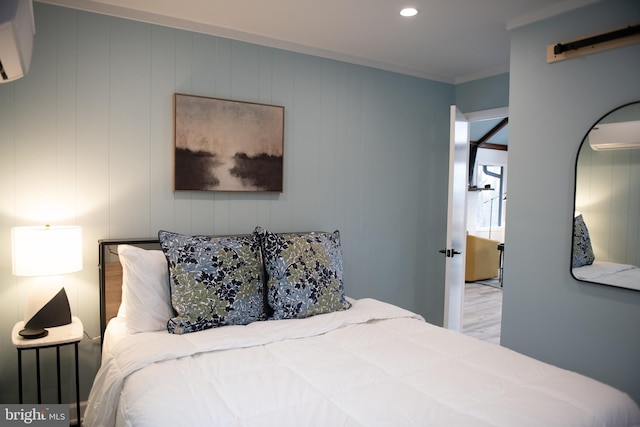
[
  {"x": 35, "y": 132},
  {"x": 351, "y": 150},
  {"x": 304, "y": 142},
  {"x": 222, "y": 76},
  {"x": 602, "y": 185},
  {"x": 129, "y": 109},
  {"x": 9, "y": 295},
  {"x": 410, "y": 164},
  {"x": 35, "y": 160},
  {"x": 382, "y": 148},
  {"x": 265, "y": 87},
  {"x": 283, "y": 89},
  {"x": 66, "y": 111},
  {"x": 432, "y": 191},
  {"x": 328, "y": 169},
  {"x": 87, "y": 138},
  {"x": 93, "y": 163},
  {"x": 202, "y": 66},
  {"x": 67, "y": 162},
  {"x": 183, "y": 84},
  {"x": 245, "y": 86},
  {"x": 607, "y": 195},
  {"x": 163, "y": 77},
  {"x": 620, "y": 205},
  {"x": 334, "y": 103}
]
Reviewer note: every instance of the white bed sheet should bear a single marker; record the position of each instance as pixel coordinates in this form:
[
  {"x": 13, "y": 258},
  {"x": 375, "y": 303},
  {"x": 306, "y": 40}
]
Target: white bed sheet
[
  {"x": 372, "y": 365},
  {"x": 610, "y": 273}
]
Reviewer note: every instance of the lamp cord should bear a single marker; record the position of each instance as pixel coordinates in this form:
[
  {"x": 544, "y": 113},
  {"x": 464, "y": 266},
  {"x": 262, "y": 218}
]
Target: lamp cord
[{"x": 92, "y": 338}]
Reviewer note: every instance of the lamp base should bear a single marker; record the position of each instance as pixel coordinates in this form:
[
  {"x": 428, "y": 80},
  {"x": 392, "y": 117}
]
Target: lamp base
[
  {"x": 51, "y": 313},
  {"x": 31, "y": 334}
]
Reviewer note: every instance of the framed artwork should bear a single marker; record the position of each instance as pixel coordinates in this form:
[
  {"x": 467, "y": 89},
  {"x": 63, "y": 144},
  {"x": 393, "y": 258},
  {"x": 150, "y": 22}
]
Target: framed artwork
[{"x": 225, "y": 145}]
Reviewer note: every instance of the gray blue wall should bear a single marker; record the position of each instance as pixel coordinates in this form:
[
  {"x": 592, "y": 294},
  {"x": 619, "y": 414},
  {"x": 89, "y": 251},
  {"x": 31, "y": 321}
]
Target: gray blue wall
[
  {"x": 588, "y": 328},
  {"x": 483, "y": 94},
  {"x": 86, "y": 138}
]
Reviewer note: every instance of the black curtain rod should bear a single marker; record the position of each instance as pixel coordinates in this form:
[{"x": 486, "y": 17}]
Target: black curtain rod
[{"x": 613, "y": 35}]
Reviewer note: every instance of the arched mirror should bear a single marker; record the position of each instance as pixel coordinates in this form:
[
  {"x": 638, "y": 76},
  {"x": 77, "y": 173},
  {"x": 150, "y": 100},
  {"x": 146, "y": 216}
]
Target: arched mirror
[{"x": 606, "y": 227}]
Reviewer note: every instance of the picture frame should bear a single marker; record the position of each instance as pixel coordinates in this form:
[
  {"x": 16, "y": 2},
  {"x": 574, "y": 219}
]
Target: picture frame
[{"x": 227, "y": 145}]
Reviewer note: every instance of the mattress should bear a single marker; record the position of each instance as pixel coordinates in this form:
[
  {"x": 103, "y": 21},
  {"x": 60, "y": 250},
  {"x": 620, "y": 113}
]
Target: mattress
[{"x": 372, "y": 365}]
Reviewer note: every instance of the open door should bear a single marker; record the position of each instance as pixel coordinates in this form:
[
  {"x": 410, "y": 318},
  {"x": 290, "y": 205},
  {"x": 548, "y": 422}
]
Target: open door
[{"x": 456, "y": 220}]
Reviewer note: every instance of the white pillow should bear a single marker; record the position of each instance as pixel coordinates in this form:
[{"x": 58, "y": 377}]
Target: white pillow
[{"x": 145, "y": 288}]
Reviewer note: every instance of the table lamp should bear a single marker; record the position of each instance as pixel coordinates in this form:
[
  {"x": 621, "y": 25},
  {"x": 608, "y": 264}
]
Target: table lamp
[{"x": 46, "y": 251}]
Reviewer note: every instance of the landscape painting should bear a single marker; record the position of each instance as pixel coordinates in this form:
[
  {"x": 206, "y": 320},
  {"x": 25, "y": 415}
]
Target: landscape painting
[{"x": 225, "y": 145}]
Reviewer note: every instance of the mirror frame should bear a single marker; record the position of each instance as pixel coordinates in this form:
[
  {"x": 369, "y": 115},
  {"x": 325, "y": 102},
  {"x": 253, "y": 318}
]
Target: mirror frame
[{"x": 575, "y": 194}]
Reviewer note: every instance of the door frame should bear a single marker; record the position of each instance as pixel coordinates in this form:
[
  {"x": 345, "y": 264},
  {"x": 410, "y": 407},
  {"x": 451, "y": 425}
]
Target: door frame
[{"x": 454, "y": 305}]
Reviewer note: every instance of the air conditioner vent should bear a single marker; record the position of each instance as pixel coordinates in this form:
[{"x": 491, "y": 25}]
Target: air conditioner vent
[
  {"x": 615, "y": 136},
  {"x": 17, "y": 29},
  {"x": 3, "y": 74}
]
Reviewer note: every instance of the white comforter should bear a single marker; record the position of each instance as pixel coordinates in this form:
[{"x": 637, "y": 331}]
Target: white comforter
[{"x": 372, "y": 365}]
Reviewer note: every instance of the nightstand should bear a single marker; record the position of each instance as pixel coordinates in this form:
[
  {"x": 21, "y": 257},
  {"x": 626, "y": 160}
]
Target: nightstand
[{"x": 57, "y": 337}]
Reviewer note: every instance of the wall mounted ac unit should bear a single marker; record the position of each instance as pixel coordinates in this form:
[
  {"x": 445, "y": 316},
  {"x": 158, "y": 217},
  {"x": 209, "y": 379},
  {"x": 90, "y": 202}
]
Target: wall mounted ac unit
[
  {"x": 615, "y": 136},
  {"x": 17, "y": 28}
]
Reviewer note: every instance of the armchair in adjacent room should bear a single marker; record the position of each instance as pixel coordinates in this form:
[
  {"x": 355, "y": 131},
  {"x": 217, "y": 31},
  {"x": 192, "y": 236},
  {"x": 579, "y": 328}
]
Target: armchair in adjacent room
[{"x": 482, "y": 260}]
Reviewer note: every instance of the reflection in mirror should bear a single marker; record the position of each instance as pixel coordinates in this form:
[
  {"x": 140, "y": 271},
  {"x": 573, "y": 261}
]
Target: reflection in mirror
[{"x": 606, "y": 229}]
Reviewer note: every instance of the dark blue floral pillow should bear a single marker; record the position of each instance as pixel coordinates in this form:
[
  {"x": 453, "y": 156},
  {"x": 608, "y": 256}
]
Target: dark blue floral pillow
[
  {"x": 304, "y": 274},
  {"x": 215, "y": 281},
  {"x": 582, "y": 250}
]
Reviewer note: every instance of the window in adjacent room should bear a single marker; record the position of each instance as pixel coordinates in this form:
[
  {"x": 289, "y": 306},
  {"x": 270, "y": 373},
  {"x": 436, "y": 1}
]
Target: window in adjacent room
[{"x": 491, "y": 204}]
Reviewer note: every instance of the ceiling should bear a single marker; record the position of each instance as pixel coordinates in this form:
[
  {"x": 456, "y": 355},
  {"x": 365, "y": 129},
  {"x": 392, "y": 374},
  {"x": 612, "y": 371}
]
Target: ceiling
[
  {"x": 452, "y": 41},
  {"x": 497, "y": 135}
]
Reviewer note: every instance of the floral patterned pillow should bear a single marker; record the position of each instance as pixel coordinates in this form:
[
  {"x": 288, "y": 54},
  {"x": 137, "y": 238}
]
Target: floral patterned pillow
[
  {"x": 304, "y": 274},
  {"x": 215, "y": 281},
  {"x": 582, "y": 250}
]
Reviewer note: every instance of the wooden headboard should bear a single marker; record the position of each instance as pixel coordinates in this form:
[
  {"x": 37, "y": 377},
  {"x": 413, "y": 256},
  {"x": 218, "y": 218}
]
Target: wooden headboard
[{"x": 111, "y": 275}]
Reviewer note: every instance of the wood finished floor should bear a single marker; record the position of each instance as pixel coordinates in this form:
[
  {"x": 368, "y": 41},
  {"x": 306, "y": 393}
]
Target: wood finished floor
[{"x": 482, "y": 312}]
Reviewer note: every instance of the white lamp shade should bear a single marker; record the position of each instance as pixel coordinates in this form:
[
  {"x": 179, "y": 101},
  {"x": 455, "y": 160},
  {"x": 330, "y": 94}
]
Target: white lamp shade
[{"x": 46, "y": 250}]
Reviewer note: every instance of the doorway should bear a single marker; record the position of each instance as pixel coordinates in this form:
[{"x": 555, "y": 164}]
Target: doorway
[
  {"x": 485, "y": 217},
  {"x": 488, "y": 172}
]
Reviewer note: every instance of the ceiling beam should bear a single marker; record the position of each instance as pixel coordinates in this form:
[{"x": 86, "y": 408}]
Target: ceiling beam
[
  {"x": 482, "y": 142},
  {"x": 490, "y": 146}
]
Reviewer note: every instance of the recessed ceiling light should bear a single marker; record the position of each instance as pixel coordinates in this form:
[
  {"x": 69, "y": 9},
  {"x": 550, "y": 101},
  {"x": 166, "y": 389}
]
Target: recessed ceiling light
[{"x": 409, "y": 11}]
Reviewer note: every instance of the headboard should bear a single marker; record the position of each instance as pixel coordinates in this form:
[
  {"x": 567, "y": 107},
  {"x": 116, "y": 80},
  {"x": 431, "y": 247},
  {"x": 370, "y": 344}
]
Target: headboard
[
  {"x": 111, "y": 272},
  {"x": 111, "y": 275}
]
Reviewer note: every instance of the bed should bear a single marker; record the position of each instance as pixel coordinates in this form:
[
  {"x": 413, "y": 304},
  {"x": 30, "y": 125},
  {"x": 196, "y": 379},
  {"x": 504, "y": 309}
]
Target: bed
[
  {"x": 584, "y": 265},
  {"x": 309, "y": 355},
  {"x": 609, "y": 273}
]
